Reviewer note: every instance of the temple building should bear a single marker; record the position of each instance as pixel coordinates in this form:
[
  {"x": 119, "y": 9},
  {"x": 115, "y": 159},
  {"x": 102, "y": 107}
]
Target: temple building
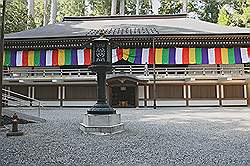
[{"x": 170, "y": 59}]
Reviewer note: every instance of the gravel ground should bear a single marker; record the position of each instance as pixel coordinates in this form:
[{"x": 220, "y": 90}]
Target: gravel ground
[{"x": 166, "y": 136}]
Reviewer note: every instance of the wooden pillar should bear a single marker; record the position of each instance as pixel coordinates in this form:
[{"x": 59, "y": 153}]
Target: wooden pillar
[
  {"x": 245, "y": 91},
  {"x": 30, "y": 94},
  {"x": 60, "y": 95},
  {"x": 147, "y": 94},
  {"x": 218, "y": 93},
  {"x": 33, "y": 92},
  {"x": 187, "y": 93},
  {"x": 220, "y": 88},
  {"x": 29, "y": 91},
  {"x": 136, "y": 96},
  {"x": 63, "y": 94},
  {"x": 248, "y": 94}
]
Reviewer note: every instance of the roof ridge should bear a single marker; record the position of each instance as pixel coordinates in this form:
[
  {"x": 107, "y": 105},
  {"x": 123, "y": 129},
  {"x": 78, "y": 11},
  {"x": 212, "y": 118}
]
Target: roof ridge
[{"x": 116, "y": 17}]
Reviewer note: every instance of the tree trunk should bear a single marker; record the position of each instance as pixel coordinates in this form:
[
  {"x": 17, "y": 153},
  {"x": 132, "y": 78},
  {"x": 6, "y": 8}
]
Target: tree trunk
[
  {"x": 31, "y": 14},
  {"x": 53, "y": 11},
  {"x": 122, "y": 7},
  {"x": 113, "y": 7},
  {"x": 137, "y": 10},
  {"x": 45, "y": 20},
  {"x": 87, "y": 8},
  {"x": 184, "y": 6},
  {"x": 31, "y": 8},
  {"x": 149, "y": 10},
  {"x": 155, "y": 6}
]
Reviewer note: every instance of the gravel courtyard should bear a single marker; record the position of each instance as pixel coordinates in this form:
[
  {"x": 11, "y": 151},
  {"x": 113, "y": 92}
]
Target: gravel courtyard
[{"x": 166, "y": 136}]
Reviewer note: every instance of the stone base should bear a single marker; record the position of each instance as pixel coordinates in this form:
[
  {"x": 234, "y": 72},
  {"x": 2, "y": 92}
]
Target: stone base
[
  {"x": 102, "y": 124},
  {"x": 19, "y": 133}
]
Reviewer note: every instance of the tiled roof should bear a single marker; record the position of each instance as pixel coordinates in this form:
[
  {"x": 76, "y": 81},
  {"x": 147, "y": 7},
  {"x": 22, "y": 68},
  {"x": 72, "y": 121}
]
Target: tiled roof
[{"x": 127, "y": 26}]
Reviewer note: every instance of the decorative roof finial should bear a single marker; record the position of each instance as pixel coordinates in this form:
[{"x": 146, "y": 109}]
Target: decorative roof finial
[{"x": 102, "y": 33}]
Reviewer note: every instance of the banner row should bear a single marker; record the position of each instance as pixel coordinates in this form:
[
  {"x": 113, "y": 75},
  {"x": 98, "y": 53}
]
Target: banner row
[
  {"x": 62, "y": 57},
  {"x": 57, "y": 57},
  {"x": 183, "y": 55}
]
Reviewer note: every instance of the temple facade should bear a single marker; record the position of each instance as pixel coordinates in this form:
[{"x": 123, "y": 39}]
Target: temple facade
[{"x": 172, "y": 60}]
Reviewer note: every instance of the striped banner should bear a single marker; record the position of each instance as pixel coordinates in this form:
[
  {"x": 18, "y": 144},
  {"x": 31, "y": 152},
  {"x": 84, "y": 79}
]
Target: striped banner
[
  {"x": 42, "y": 57},
  {"x": 182, "y": 55},
  {"x": 62, "y": 57}
]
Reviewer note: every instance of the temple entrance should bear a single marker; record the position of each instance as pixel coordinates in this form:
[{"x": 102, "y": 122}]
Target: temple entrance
[
  {"x": 123, "y": 96},
  {"x": 123, "y": 91}
]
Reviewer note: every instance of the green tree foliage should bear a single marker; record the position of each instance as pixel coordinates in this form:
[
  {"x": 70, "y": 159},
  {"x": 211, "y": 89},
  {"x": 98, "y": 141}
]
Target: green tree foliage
[
  {"x": 170, "y": 7},
  {"x": 130, "y": 7},
  {"x": 16, "y": 16},
  {"x": 210, "y": 11},
  {"x": 100, "y": 7},
  {"x": 144, "y": 7},
  {"x": 39, "y": 8},
  {"x": 17, "y": 19},
  {"x": 70, "y": 8},
  {"x": 245, "y": 17},
  {"x": 103, "y": 7},
  {"x": 223, "y": 18},
  {"x": 206, "y": 10},
  {"x": 237, "y": 13},
  {"x": 225, "y": 12}
]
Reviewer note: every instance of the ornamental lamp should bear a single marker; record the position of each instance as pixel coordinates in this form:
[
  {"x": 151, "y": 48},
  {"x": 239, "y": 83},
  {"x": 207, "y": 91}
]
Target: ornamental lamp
[{"x": 101, "y": 51}]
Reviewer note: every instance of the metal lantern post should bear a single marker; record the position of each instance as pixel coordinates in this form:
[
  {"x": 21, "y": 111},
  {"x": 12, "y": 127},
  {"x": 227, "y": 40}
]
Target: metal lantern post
[
  {"x": 101, "y": 119},
  {"x": 101, "y": 63}
]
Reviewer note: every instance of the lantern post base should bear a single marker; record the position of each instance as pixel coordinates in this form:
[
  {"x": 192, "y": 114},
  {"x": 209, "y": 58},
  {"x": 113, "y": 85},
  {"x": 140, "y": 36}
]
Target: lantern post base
[
  {"x": 101, "y": 109},
  {"x": 18, "y": 133},
  {"x": 98, "y": 124}
]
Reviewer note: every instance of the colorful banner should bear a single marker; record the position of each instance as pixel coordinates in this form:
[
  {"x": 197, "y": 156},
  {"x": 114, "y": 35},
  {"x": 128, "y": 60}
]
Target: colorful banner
[
  {"x": 182, "y": 55},
  {"x": 42, "y": 58},
  {"x": 62, "y": 57}
]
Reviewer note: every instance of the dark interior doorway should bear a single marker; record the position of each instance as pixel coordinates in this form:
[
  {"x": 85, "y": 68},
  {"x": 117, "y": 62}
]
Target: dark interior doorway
[{"x": 123, "y": 96}]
